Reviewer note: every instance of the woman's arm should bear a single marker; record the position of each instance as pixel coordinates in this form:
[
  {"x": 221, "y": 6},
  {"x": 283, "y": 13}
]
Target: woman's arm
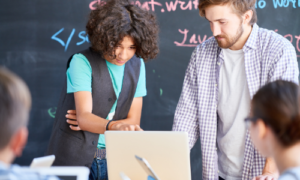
[
  {"x": 86, "y": 120},
  {"x": 133, "y": 117},
  {"x": 83, "y": 119}
]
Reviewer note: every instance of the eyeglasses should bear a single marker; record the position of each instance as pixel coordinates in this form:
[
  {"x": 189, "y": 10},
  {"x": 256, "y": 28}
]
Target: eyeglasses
[{"x": 249, "y": 120}]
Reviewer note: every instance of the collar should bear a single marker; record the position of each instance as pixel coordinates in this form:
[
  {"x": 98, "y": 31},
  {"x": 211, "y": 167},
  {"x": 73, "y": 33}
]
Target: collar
[{"x": 251, "y": 41}]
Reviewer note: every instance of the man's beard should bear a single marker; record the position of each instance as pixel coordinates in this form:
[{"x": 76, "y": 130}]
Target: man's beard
[{"x": 230, "y": 41}]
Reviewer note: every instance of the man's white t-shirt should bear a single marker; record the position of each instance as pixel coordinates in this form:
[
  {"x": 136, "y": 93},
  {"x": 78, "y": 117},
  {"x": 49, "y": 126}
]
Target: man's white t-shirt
[{"x": 233, "y": 106}]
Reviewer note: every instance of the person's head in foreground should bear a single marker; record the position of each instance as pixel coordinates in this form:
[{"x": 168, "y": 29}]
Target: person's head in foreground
[
  {"x": 230, "y": 20},
  {"x": 274, "y": 125},
  {"x": 15, "y": 103},
  {"x": 119, "y": 30}
]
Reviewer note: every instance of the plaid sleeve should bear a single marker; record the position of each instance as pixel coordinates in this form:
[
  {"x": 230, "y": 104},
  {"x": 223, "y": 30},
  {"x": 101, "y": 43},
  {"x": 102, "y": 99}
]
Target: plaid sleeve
[
  {"x": 15, "y": 172},
  {"x": 286, "y": 66},
  {"x": 186, "y": 114}
]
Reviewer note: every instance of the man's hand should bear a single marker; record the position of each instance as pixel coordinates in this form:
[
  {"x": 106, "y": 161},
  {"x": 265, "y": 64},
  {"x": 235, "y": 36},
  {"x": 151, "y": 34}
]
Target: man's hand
[
  {"x": 270, "y": 171},
  {"x": 266, "y": 176}
]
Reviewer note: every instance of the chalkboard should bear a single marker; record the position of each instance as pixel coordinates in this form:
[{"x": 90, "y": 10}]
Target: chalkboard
[{"x": 38, "y": 36}]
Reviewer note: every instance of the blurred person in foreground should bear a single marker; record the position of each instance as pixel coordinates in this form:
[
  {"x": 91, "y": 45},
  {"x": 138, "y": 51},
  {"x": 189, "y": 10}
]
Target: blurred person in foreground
[
  {"x": 15, "y": 103},
  {"x": 274, "y": 126}
]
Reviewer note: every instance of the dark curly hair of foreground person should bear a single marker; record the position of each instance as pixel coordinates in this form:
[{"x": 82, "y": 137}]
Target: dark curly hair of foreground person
[{"x": 112, "y": 20}]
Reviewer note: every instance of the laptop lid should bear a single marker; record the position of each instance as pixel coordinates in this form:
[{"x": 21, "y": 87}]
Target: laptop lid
[
  {"x": 166, "y": 151},
  {"x": 45, "y": 161},
  {"x": 65, "y": 172}
]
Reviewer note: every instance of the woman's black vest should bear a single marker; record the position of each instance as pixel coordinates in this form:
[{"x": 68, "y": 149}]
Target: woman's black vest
[{"x": 77, "y": 148}]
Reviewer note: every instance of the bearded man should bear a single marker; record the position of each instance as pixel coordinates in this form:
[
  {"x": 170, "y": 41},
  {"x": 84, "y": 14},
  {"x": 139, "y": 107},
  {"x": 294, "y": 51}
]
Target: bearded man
[{"x": 223, "y": 75}]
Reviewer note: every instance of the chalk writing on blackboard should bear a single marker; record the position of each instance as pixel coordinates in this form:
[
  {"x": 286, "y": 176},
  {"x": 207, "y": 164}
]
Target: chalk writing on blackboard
[
  {"x": 298, "y": 45},
  {"x": 193, "y": 4},
  {"x": 285, "y": 3},
  {"x": 52, "y": 112},
  {"x": 54, "y": 37},
  {"x": 260, "y": 4},
  {"x": 171, "y": 6},
  {"x": 290, "y": 37},
  {"x": 153, "y": 5},
  {"x": 187, "y": 41},
  {"x": 82, "y": 35},
  {"x": 193, "y": 41}
]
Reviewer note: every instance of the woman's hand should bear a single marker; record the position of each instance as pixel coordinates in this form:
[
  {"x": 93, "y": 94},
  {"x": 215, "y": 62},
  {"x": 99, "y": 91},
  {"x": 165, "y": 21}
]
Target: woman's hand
[
  {"x": 71, "y": 114},
  {"x": 72, "y": 120},
  {"x": 119, "y": 126}
]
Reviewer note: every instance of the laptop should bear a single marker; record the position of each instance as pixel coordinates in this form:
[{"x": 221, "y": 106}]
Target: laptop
[
  {"x": 65, "y": 172},
  {"x": 45, "y": 161},
  {"x": 166, "y": 151}
]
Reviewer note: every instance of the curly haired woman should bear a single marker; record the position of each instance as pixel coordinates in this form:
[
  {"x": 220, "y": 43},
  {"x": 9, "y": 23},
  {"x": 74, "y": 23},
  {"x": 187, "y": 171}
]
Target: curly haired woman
[{"x": 106, "y": 84}]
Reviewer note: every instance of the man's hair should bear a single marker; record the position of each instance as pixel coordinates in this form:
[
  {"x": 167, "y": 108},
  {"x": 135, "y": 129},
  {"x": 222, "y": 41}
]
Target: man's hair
[
  {"x": 277, "y": 104},
  {"x": 112, "y": 20},
  {"x": 239, "y": 7},
  {"x": 15, "y": 103}
]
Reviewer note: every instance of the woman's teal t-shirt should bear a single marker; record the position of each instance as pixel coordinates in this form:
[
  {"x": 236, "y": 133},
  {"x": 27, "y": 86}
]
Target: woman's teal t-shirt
[{"x": 79, "y": 78}]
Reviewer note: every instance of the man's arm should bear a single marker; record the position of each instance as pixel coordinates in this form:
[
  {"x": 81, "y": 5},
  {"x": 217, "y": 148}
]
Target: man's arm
[
  {"x": 286, "y": 65},
  {"x": 270, "y": 171},
  {"x": 185, "y": 118},
  {"x": 284, "y": 68},
  {"x": 270, "y": 167}
]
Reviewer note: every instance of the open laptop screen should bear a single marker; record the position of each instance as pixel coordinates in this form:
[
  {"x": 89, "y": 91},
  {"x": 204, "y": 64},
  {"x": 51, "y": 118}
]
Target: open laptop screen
[
  {"x": 67, "y": 177},
  {"x": 65, "y": 172},
  {"x": 167, "y": 152}
]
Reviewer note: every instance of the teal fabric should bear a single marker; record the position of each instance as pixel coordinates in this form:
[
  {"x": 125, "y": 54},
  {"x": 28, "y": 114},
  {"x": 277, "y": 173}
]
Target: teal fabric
[{"x": 79, "y": 78}]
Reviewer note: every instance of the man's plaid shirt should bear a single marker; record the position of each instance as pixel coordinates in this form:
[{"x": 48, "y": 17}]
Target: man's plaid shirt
[
  {"x": 268, "y": 57},
  {"x": 15, "y": 172}
]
